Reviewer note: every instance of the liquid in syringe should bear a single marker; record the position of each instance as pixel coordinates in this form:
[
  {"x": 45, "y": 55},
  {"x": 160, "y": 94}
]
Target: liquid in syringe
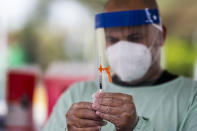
[{"x": 100, "y": 82}]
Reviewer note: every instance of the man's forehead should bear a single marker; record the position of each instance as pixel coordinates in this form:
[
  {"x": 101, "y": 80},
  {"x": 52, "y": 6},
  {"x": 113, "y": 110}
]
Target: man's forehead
[{"x": 126, "y": 29}]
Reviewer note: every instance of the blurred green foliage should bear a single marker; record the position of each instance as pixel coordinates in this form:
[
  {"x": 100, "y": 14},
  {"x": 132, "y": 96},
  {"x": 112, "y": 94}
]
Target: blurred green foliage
[
  {"x": 180, "y": 56},
  {"x": 16, "y": 55}
]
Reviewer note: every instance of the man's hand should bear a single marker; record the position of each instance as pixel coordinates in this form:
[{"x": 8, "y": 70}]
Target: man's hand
[
  {"x": 116, "y": 108},
  {"x": 81, "y": 117}
]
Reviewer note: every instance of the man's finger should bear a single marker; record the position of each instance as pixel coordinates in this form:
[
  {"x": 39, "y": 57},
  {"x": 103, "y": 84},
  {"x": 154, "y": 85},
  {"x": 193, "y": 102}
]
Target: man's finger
[
  {"x": 82, "y": 105},
  {"x": 113, "y": 95},
  {"x": 108, "y": 117},
  {"x": 96, "y": 128},
  {"x": 86, "y": 114},
  {"x": 109, "y": 101},
  {"x": 107, "y": 109},
  {"x": 81, "y": 123}
]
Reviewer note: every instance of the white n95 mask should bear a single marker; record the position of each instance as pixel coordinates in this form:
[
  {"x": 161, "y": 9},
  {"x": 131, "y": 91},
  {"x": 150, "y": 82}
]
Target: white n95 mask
[{"x": 130, "y": 61}]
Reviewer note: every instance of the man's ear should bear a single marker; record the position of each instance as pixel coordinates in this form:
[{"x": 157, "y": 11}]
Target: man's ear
[{"x": 164, "y": 33}]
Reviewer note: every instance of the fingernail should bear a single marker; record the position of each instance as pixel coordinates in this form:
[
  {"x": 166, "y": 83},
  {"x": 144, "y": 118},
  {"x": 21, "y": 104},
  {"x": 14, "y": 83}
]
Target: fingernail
[
  {"x": 97, "y": 112},
  {"x": 93, "y": 105},
  {"x": 99, "y": 127}
]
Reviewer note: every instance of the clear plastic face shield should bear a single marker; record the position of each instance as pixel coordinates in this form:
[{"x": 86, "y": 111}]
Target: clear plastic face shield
[{"x": 127, "y": 44}]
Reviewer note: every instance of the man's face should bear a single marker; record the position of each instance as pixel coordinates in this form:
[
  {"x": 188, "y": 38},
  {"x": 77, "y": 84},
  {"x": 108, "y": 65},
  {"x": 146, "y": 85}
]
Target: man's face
[{"x": 148, "y": 35}]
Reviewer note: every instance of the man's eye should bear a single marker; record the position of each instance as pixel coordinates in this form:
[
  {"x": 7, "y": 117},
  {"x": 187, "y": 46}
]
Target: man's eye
[
  {"x": 135, "y": 39},
  {"x": 113, "y": 40}
]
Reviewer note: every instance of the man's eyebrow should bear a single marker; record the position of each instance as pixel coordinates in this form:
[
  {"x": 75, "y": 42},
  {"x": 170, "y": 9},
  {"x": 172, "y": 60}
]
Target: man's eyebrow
[
  {"x": 111, "y": 37},
  {"x": 134, "y": 34}
]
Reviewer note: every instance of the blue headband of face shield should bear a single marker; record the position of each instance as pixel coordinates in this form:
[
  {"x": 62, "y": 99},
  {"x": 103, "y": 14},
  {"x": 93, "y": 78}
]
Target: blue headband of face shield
[{"x": 127, "y": 18}]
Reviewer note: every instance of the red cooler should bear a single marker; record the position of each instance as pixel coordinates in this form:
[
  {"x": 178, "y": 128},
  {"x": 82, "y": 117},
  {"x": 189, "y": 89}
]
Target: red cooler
[{"x": 20, "y": 88}]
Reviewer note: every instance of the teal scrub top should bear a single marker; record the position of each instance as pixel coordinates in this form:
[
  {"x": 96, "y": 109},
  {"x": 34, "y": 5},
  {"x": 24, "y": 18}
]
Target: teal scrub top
[{"x": 171, "y": 106}]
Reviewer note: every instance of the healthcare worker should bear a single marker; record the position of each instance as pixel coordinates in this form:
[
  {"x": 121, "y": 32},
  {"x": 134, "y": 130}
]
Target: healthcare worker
[{"x": 142, "y": 96}]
